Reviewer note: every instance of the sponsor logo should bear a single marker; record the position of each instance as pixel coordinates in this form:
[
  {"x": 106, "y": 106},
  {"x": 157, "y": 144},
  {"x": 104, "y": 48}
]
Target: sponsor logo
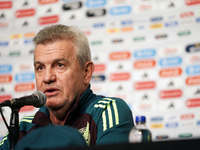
[
  {"x": 170, "y": 72},
  {"x": 24, "y": 77},
  {"x": 187, "y": 14},
  {"x": 99, "y": 67},
  {"x": 25, "y": 13},
  {"x": 198, "y": 122},
  {"x": 155, "y": 126},
  {"x": 117, "y": 40},
  {"x": 144, "y": 85},
  {"x": 188, "y": 124},
  {"x": 144, "y": 64},
  {"x": 72, "y": 6},
  {"x": 187, "y": 116},
  {"x": 96, "y": 12},
  {"x": 28, "y": 41},
  {"x": 47, "y": 1},
  {"x": 120, "y": 10},
  {"x": 16, "y": 36},
  {"x": 193, "y": 80},
  {"x": 193, "y": 48},
  {"x": 192, "y": 2},
  {"x": 193, "y": 69},
  {"x": 5, "y": 68},
  {"x": 170, "y": 94},
  {"x": 186, "y": 135},
  {"x": 96, "y": 42},
  {"x": 25, "y": 66},
  {"x": 48, "y": 20},
  {"x": 145, "y": 8},
  {"x": 170, "y": 61},
  {"x": 5, "y": 5},
  {"x": 153, "y": 26},
  {"x": 2, "y": 90},
  {"x": 195, "y": 59},
  {"x": 140, "y": 38},
  {"x": 27, "y": 108},
  {"x": 119, "y": 55},
  {"x": 145, "y": 53},
  {"x": 161, "y": 36},
  {"x": 155, "y": 19},
  {"x": 24, "y": 87},
  {"x": 184, "y": 33},
  {"x": 3, "y": 43},
  {"x": 30, "y": 34},
  {"x": 145, "y": 107},
  {"x": 125, "y": 29},
  {"x": 98, "y": 78},
  {"x": 95, "y": 3},
  {"x": 120, "y": 76},
  {"x": 156, "y": 119},
  {"x": 198, "y": 19},
  {"x": 14, "y": 53},
  {"x": 126, "y": 22},
  {"x": 171, "y": 125},
  {"x": 114, "y": 31},
  {"x": 87, "y": 32},
  {"x": 171, "y": 24},
  {"x": 193, "y": 102},
  {"x": 162, "y": 137},
  {"x": 5, "y": 97},
  {"x": 5, "y": 78},
  {"x": 98, "y": 25}
]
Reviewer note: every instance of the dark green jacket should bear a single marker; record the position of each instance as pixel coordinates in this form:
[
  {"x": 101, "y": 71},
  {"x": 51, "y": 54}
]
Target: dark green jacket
[{"x": 101, "y": 120}]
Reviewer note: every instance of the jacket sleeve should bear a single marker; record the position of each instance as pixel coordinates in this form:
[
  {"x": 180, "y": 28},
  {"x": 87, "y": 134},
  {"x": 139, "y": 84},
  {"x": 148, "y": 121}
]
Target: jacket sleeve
[
  {"x": 115, "y": 121},
  {"x": 5, "y": 144}
]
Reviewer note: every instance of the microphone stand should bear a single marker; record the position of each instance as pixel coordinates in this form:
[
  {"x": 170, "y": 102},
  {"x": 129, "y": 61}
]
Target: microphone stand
[{"x": 14, "y": 127}]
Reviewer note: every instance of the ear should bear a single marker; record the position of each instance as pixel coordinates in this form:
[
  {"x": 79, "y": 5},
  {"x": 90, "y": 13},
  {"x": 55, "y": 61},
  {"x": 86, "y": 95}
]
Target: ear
[{"x": 88, "y": 71}]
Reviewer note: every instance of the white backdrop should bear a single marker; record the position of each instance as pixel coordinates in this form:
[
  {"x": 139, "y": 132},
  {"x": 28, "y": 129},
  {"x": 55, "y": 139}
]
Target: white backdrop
[{"x": 145, "y": 51}]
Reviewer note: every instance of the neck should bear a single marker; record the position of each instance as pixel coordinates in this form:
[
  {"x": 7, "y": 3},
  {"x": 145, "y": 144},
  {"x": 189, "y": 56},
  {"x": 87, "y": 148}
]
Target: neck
[{"x": 58, "y": 118}]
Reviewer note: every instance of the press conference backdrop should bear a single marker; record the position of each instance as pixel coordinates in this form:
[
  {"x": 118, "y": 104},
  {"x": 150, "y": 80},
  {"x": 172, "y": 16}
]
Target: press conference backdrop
[{"x": 146, "y": 52}]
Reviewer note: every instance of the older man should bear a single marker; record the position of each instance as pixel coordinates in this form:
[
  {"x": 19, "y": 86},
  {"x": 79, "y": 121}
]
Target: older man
[{"x": 63, "y": 70}]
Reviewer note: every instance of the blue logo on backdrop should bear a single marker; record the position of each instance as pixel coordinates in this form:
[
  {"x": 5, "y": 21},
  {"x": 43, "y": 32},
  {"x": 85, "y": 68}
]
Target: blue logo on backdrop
[
  {"x": 5, "y": 68},
  {"x": 172, "y": 125},
  {"x": 198, "y": 19},
  {"x": 95, "y": 3},
  {"x": 193, "y": 48},
  {"x": 127, "y": 22},
  {"x": 98, "y": 78},
  {"x": 21, "y": 77},
  {"x": 157, "y": 119},
  {"x": 170, "y": 61},
  {"x": 120, "y": 10},
  {"x": 145, "y": 53},
  {"x": 4, "y": 43},
  {"x": 171, "y": 24},
  {"x": 154, "y": 19},
  {"x": 98, "y": 25},
  {"x": 28, "y": 41},
  {"x": 193, "y": 69},
  {"x": 198, "y": 122}
]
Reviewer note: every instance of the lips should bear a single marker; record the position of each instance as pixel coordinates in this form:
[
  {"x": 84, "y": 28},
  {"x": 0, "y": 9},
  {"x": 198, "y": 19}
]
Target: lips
[{"x": 51, "y": 91}]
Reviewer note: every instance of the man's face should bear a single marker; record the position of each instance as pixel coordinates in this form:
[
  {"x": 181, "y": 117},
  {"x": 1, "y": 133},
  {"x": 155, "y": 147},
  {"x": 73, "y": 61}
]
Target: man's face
[{"x": 58, "y": 74}]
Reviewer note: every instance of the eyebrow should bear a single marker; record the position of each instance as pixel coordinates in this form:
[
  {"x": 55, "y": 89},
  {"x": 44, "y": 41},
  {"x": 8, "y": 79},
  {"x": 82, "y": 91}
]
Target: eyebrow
[{"x": 54, "y": 61}]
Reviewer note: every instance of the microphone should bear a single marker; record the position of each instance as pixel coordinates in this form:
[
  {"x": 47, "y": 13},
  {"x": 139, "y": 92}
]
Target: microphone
[{"x": 37, "y": 99}]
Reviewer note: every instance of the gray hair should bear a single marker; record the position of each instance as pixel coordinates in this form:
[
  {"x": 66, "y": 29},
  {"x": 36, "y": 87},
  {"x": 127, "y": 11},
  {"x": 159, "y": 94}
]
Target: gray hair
[{"x": 59, "y": 32}]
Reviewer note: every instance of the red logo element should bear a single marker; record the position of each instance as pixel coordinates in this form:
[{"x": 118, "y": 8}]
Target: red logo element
[
  {"x": 193, "y": 80},
  {"x": 120, "y": 76},
  {"x": 25, "y": 13},
  {"x": 193, "y": 102},
  {"x": 187, "y": 14},
  {"x": 87, "y": 32},
  {"x": 99, "y": 67},
  {"x": 47, "y": 1},
  {"x": 145, "y": 7},
  {"x": 192, "y": 2},
  {"x": 187, "y": 116},
  {"x": 5, "y": 5},
  {"x": 27, "y": 108},
  {"x": 5, "y": 78},
  {"x": 24, "y": 87},
  {"x": 170, "y": 50},
  {"x": 119, "y": 55},
  {"x": 5, "y": 97},
  {"x": 170, "y": 72},
  {"x": 48, "y": 20},
  {"x": 145, "y": 85},
  {"x": 144, "y": 64},
  {"x": 170, "y": 94}
]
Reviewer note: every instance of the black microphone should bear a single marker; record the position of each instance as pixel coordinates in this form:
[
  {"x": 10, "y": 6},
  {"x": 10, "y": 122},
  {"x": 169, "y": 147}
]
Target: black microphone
[{"x": 37, "y": 99}]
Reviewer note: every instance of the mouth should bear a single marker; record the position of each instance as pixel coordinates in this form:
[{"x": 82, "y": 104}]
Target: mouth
[{"x": 51, "y": 91}]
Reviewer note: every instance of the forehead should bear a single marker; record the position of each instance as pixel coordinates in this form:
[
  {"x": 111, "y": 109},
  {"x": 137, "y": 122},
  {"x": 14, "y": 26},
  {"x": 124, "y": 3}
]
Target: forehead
[{"x": 64, "y": 49}]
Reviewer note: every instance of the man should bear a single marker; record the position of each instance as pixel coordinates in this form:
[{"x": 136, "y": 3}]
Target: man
[{"x": 63, "y": 70}]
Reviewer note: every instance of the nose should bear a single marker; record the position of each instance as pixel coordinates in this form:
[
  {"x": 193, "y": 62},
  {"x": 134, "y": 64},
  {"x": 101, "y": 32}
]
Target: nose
[{"x": 49, "y": 76}]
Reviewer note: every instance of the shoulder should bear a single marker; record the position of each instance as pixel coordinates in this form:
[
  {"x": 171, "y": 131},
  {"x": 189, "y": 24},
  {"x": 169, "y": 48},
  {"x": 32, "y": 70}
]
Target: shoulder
[{"x": 26, "y": 123}]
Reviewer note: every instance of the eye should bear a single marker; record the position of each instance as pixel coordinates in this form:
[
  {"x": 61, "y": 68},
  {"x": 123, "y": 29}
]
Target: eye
[
  {"x": 39, "y": 68},
  {"x": 60, "y": 65}
]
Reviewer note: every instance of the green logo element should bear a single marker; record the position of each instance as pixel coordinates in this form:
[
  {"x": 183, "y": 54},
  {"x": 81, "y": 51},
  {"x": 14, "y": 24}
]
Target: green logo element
[
  {"x": 14, "y": 53},
  {"x": 139, "y": 38},
  {"x": 96, "y": 42},
  {"x": 185, "y": 135},
  {"x": 184, "y": 33}
]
